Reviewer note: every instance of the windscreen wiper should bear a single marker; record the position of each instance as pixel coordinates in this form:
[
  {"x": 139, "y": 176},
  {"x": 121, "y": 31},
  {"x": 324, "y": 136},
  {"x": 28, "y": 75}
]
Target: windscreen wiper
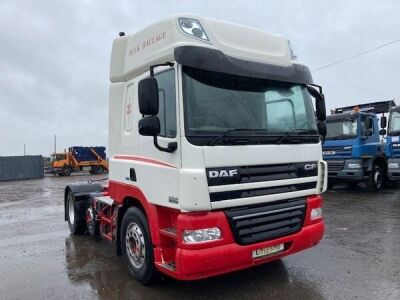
[
  {"x": 297, "y": 130},
  {"x": 229, "y": 131}
]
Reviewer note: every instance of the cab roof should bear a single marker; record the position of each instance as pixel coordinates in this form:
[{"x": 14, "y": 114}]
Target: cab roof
[{"x": 133, "y": 54}]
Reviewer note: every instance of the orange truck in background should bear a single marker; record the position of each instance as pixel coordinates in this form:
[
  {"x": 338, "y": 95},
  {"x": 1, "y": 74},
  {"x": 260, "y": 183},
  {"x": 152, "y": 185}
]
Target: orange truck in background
[{"x": 76, "y": 159}]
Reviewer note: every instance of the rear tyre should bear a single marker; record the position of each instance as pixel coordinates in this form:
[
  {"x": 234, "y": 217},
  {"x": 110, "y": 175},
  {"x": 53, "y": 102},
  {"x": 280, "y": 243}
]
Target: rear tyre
[
  {"x": 67, "y": 171},
  {"x": 136, "y": 245},
  {"x": 75, "y": 223},
  {"x": 375, "y": 179},
  {"x": 99, "y": 170},
  {"x": 92, "y": 223}
]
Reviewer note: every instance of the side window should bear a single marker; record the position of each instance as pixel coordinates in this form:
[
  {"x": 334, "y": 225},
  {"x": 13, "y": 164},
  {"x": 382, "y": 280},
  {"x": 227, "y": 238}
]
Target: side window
[
  {"x": 167, "y": 106},
  {"x": 365, "y": 121}
]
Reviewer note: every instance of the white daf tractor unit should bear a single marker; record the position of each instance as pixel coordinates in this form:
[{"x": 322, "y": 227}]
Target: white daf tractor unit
[{"x": 215, "y": 152}]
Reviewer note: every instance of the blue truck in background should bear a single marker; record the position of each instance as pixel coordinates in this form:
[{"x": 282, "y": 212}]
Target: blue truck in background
[{"x": 356, "y": 149}]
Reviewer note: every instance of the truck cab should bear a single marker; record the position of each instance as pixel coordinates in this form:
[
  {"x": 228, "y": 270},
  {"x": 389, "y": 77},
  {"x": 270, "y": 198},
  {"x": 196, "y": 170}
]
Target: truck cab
[
  {"x": 59, "y": 161},
  {"x": 215, "y": 152},
  {"x": 354, "y": 148}
]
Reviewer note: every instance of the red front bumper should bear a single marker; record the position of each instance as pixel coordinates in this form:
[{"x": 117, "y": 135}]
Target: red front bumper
[
  {"x": 224, "y": 256},
  {"x": 196, "y": 264}
]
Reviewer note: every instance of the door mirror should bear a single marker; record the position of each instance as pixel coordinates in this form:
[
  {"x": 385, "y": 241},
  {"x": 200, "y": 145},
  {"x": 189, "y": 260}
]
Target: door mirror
[
  {"x": 321, "y": 128},
  {"x": 319, "y": 103},
  {"x": 149, "y": 126},
  {"x": 382, "y": 131},
  {"x": 383, "y": 122},
  {"x": 148, "y": 96}
]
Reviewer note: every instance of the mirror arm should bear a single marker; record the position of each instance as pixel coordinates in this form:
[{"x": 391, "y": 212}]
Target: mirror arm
[
  {"x": 172, "y": 146},
  {"x": 171, "y": 64},
  {"x": 317, "y": 86}
]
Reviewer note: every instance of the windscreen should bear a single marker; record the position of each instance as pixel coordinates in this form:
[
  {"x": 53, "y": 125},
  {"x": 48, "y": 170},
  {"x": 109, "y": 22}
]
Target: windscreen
[
  {"x": 394, "y": 123},
  {"x": 217, "y": 102},
  {"x": 341, "y": 129}
]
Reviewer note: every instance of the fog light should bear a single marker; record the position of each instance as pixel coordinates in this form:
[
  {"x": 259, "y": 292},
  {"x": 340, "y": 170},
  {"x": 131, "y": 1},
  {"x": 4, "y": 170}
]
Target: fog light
[
  {"x": 193, "y": 28},
  {"x": 393, "y": 166},
  {"x": 201, "y": 235},
  {"x": 354, "y": 166},
  {"x": 316, "y": 213}
]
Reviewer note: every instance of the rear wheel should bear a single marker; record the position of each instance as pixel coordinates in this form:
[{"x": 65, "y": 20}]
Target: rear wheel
[
  {"x": 67, "y": 171},
  {"x": 99, "y": 170},
  {"x": 375, "y": 179},
  {"x": 75, "y": 223},
  {"x": 136, "y": 245},
  {"x": 92, "y": 223}
]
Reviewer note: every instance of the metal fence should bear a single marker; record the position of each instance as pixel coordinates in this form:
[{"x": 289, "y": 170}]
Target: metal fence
[{"x": 21, "y": 167}]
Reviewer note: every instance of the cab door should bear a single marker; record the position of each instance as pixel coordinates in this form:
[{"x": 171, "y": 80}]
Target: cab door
[
  {"x": 161, "y": 171},
  {"x": 369, "y": 135}
]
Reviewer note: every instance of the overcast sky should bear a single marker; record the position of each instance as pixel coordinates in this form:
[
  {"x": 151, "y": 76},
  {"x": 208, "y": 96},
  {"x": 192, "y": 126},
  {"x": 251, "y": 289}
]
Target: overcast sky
[{"x": 54, "y": 57}]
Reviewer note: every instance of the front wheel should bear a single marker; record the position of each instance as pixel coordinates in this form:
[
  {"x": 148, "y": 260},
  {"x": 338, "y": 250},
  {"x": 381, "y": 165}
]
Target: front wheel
[
  {"x": 136, "y": 245},
  {"x": 375, "y": 179}
]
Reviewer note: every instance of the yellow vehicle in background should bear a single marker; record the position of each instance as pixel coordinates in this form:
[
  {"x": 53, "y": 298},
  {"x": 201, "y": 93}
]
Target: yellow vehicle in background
[{"x": 77, "y": 159}]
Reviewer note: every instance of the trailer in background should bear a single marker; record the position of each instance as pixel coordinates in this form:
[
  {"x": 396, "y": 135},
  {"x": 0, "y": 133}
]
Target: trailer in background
[
  {"x": 91, "y": 159},
  {"x": 21, "y": 167}
]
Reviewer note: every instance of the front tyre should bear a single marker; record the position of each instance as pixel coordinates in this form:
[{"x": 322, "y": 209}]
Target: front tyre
[
  {"x": 136, "y": 245},
  {"x": 75, "y": 223},
  {"x": 375, "y": 179}
]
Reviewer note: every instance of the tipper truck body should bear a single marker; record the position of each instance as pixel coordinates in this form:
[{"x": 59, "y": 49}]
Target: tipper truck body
[{"x": 215, "y": 153}]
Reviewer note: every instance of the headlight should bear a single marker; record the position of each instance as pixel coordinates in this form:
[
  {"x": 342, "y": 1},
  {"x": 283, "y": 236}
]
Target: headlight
[
  {"x": 393, "y": 165},
  {"x": 193, "y": 28},
  {"x": 201, "y": 235},
  {"x": 316, "y": 213}
]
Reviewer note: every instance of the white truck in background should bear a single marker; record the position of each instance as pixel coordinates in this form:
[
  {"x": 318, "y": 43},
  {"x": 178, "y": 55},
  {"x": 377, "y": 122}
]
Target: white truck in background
[{"x": 215, "y": 152}]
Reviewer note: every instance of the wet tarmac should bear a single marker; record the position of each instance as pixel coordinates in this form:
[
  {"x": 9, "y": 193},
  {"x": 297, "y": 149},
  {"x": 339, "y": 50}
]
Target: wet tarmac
[{"x": 359, "y": 256}]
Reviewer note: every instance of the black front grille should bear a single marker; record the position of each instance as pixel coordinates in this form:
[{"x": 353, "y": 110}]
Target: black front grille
[
  {"x": 335, "y": 165},
  {"x": 220, "y": 196},
  {"x": 257, "y": 223}
]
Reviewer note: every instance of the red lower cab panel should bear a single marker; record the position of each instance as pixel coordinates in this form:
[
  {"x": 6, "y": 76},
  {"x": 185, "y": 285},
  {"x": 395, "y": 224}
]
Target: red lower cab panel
[{"x": 194, "y": 261}]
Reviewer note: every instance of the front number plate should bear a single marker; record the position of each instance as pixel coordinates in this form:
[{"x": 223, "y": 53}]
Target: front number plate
[
  {"x": 328, "y": 152},
  {"x": 267, "y": 251}
]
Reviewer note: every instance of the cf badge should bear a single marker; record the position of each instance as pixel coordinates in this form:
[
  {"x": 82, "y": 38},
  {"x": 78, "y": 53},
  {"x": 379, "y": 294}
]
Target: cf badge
[{"x": 309, "y": 167}]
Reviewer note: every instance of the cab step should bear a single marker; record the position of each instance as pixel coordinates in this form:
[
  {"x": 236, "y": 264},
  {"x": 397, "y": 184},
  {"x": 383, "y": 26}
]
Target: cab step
[
  {"x": 171, "y": 265},
  {"x": 169, "y": 232}
]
